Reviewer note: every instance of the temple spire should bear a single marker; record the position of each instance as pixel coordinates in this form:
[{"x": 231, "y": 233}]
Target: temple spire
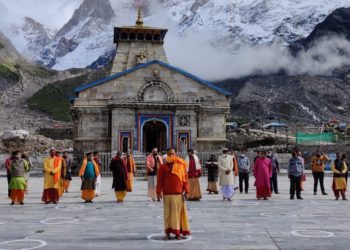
[{"x": 139, "y": 21}]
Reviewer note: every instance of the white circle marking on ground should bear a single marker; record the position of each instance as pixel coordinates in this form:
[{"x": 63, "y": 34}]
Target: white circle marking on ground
[
  {"x": 246, "y": 203},
  {"x": 68, "y": 207},
  {"x": 312, "y": 234},
  {"x": 59, "y": 221},
  {"x": 288, "y": 215},
  {"x": 161, "y": 235},
  {"x": 42, "y": 243}
]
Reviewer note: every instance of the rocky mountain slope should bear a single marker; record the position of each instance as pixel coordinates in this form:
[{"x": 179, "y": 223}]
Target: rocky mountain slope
[
  {"x": 19, "y": 80},
  {"x": 300, "y": 98},
  {"x": 226, "y": 24}
]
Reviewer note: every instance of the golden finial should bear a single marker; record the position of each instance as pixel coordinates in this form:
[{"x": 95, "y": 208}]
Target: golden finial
[{"x": 139, "y": 21}]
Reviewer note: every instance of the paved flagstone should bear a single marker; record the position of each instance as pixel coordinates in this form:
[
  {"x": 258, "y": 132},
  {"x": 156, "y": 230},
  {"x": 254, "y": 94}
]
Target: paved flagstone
[{"x": 317, "y": 222}]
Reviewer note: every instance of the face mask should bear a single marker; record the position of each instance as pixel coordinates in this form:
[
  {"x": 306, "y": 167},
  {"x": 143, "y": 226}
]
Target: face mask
[{"x": 18, "y": 157}]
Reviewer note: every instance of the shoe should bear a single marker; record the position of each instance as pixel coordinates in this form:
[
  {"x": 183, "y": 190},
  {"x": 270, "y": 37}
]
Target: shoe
[
  {"x": 300, "y": 198},
  {"x": 292, "y": 198},
  {"x": 277, "y": 192},
  {"x": 324, "y": 193},
  {"x": 12, "y": 203},
  {"x": 265, "y": 199},
  {"x": 336, "y": 198},
  {"x": 315, "y": 193},
  {"x": 21, "y": 203},
  {"x": 344, "y": 199},
  {"x": 216, "y": 192},
  {"x": 54, "y": 202},
  {"x": 246, "y": 192},
  {"x": 91, "y": 201}
]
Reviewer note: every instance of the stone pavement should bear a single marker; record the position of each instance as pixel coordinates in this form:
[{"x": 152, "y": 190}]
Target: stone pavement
[{"x": 317, "y": 222}]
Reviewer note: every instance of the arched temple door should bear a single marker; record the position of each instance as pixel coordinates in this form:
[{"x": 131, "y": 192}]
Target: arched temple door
[{"x": 154, "y": 135}]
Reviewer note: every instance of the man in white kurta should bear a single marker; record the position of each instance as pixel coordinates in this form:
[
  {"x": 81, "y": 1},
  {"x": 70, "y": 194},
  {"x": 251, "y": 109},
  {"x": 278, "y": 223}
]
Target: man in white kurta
[{"x": 226, "y": 180}]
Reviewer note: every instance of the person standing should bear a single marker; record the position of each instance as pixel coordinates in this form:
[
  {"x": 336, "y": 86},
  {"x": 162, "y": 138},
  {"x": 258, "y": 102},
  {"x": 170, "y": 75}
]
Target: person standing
[
  {"x": 243, "y": 171},
  {"x": 226, "y": 181},
  {"x": 88, "y": 173},
  {"x": 26, "y": 175},
  {"x": 263, "y": 174},
  {"x": 343, "y": 157},
  {"x": 52, "y": 171},
  {"x": 213, "y": 170},
  {"x": 317, "y": 168},
  {"x": 153, "y": 161},
  {"x": 194, "y": 174},
  {"x": 131, "y": 167},
  {"x": 339, "y": 169},
  {"x": 18, "y": 169},
  {"x": 68, "y": 174},
  {"x": 172, "y": 182},
  {"x": 275, "y": 172},
  {"x": 96, "y": 158},
  {"x": 120, "y": 177},
  {"x": 303, "y": 178},
  {"x": 295, "y": 174},
  {"x": 63, "y": 171},
  {"x": 8, "y": 172}
]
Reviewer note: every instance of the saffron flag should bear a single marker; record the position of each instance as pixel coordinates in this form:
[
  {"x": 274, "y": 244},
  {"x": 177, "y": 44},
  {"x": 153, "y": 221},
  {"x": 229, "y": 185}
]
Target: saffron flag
[{"x": 138, "y": 3}]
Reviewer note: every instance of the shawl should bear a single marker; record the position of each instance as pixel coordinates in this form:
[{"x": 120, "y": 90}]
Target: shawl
[
  {"x": 83, "y": 167},
  {"x": 179, "y": 167},
  {"x": 196, "y": 162}
]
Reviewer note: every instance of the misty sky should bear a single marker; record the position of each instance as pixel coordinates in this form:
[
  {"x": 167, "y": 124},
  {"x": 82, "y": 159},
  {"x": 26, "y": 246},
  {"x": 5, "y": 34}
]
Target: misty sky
[
  {"x": 44, "y": 11},
  {"x": 191, "y": 50}
]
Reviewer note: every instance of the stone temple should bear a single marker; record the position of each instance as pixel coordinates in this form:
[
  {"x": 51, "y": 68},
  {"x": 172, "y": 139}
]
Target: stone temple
[{"x": 146, "y": 103}]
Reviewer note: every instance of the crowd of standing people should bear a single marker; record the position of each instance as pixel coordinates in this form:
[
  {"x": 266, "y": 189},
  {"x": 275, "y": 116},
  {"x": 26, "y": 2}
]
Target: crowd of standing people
[{"x": 174, "y": 180}]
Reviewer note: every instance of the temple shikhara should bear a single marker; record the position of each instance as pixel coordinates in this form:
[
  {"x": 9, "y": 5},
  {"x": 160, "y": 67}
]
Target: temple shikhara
[{"x": 146, "y": 103}]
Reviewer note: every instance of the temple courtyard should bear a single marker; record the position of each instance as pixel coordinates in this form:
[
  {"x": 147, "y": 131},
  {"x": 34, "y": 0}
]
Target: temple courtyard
[{"x": 317, "y": 222}]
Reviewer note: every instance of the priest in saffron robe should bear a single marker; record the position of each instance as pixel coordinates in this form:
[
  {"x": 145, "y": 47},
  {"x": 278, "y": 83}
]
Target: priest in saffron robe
[
  {"x": 120, "y": 177},
  {"x": 262, "y": 174},
  {"x": 62, "y": 174},
  {"x": 172, "y": 186},
  {"x": 88, "y": 173},
  {"x": 131, "y": 167},
  {"x": 52, "y": 172},
  {"x": 18, "y": 168},
  {"x": 194, "y": 174}
]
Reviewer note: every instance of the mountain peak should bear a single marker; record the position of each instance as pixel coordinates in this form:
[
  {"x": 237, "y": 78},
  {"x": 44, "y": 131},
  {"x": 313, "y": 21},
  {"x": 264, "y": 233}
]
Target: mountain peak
[{"x": 89, "y": 9}]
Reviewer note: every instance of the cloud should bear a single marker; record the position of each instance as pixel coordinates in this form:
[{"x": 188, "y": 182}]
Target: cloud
[
  {"x": 195, "y": 53},
  {"x": 52, "y": 13}
]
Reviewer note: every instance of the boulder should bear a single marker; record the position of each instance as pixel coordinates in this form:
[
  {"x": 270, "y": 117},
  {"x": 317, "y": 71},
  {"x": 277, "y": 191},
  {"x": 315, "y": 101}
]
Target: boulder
[{"x": 15, "y": 134}]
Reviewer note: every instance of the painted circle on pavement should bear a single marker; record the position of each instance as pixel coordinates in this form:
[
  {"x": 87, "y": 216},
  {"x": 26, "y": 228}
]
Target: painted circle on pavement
[
  {"x": 271, "y": 214},
  {"x": 58, "y": 221},
  {"x": 246, "y": 203},
  {"x": 15, "y": 243},
  {"x": 68, "y": 207},
  {"x": 158, "y": 238},
  {"x": 312, "y": 234}
]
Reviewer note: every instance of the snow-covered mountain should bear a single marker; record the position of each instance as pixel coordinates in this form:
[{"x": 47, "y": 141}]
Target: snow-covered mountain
[{"x": 86, "y": 39}]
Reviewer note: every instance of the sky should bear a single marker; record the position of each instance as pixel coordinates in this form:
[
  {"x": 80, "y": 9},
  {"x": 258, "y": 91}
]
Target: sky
[
  {"x": 44, "y": 11},
  {"x": 192, "y": 51}
]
